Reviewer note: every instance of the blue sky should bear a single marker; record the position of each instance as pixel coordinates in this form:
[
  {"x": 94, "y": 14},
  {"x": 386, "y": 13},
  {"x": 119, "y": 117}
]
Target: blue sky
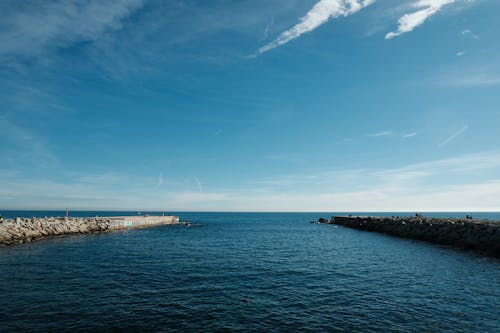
[{"x": 284, "y": 105}]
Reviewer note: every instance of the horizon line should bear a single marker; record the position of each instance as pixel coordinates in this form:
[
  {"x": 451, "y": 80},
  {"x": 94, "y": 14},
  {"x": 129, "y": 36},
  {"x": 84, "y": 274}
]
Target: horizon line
[{"x": 242, "y": 211}]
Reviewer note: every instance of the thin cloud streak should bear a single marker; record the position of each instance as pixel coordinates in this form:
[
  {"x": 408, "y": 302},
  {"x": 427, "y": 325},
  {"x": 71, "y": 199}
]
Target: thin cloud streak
[
  {"x": 474, "y": 80},
  {"x": 198, "y": 183},
  {"x": 408, "y": 22},
  {"x": 322, "y": 12},
  {"x": 409, "y": 135},
  {"x": 382, "y": 133},
  {"x": 468, "y": 32},
  {"x": 161, "y": 180},
  {"x": 392, "y": 133},
  {"x": 453, "y": 136}
]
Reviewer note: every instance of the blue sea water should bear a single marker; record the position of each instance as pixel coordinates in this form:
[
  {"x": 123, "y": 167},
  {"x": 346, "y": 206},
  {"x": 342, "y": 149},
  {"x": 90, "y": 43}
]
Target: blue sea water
[{"x": 246, "y": 272}]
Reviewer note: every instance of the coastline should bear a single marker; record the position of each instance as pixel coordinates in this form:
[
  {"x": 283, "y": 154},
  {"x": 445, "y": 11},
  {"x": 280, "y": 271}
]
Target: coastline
[{"x": 23, "y": 230}]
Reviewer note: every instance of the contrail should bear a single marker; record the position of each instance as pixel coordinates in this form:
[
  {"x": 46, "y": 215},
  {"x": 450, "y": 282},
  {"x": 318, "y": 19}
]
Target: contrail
[{"x": 454, "y": 136}]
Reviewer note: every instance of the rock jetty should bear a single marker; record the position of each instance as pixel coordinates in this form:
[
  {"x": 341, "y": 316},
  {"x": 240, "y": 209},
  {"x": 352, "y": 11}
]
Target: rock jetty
[
  {"x": 22, "y": 230},
  {"x": 480, "y": 235}
]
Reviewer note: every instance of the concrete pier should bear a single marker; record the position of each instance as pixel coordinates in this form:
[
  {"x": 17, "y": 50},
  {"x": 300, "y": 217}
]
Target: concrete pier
[
  {"x": 21, "y": 230},
  {"x": 123, "y": 222},
  {"x": 480, "y": 235}
]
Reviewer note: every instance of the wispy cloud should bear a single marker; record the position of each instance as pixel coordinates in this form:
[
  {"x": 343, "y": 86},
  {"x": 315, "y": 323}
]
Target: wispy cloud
[
  {"x": 102, "y": 178},
  {"x": 409, "y": 135},
  {"x": 453, "y": 136},
  {"x": 160, "y": 180},
  {"x": 284, "y": 158},
  {"x": 267, "y": 29},
  {"x": 408, "y": 22},
  {"x": 436, "y": 185},
  {"x": 344, "y": 141},
  {"x": 465, "y": 182},
  {"x": 457, "y": 169},
  {"x": 381, "y": 133},
  {"x": 404, "y": 135},
  {"x": 199, "y": 184},
  {"x": 468, "y": 32},
  {"x": 58, "y": 23},
  {"x": 474, "y": 80},
  {"x": 322, "y": 12},
  {"x": 30, "y": 148},
  {"x": 460, "y": 53}
]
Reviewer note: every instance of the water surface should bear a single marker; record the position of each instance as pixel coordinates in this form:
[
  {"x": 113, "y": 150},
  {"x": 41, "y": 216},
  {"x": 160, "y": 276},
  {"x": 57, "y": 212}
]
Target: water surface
[{"x": 246, "y": 272}]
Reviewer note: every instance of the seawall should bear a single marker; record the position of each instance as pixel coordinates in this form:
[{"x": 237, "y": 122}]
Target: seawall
[
  {"x": 21, "y": 230},
  {"x": 480, "y": 235}
]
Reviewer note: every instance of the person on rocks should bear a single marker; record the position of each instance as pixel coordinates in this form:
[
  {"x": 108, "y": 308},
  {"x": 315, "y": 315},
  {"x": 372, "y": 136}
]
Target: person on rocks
[{"x": 1, "y": 218}]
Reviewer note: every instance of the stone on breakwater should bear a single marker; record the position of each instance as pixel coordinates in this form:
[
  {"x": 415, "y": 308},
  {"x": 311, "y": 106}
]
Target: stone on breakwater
[
  {"x": 481, "y": 235},
  {"x": 20, "y": 230}
]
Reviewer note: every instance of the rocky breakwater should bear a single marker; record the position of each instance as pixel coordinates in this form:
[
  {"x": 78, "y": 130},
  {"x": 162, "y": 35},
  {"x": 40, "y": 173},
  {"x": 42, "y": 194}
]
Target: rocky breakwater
[
  {"x": 21, "y": 230},
  {"x": 480, "y": 235}
]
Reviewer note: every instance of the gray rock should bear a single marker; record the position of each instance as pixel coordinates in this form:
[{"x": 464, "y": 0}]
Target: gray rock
[{"x": 478, "y": 235}]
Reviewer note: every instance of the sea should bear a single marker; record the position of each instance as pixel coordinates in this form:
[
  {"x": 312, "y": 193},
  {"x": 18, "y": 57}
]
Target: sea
[{"x": 245, "y": 272}]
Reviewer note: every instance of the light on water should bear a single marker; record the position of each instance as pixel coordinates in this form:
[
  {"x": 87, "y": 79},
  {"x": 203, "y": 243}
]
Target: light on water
[{"x": 248, "y": 272}]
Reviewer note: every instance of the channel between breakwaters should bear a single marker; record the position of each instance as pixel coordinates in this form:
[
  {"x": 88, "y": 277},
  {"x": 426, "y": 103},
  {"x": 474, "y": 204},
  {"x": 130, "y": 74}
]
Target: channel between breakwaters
[
  {"x": 22, "y": 230},
  {"x": 479, "y": 235}
]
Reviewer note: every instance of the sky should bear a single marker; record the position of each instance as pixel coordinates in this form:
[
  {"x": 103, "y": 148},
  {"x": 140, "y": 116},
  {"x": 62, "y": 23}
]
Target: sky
[{"x": 250, "y": 105}]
